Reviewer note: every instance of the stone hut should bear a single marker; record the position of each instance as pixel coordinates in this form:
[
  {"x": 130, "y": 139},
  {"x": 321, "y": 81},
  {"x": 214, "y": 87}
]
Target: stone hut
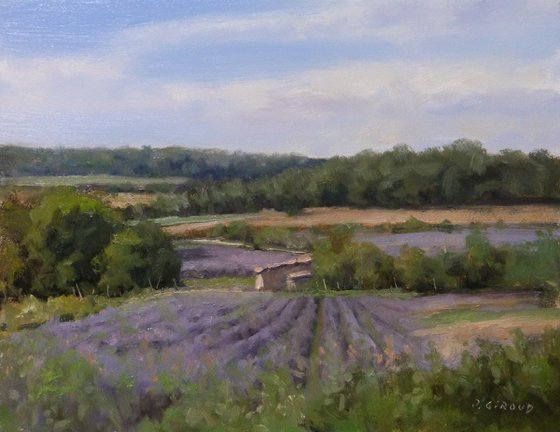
[{"x": 286, "y": 276}]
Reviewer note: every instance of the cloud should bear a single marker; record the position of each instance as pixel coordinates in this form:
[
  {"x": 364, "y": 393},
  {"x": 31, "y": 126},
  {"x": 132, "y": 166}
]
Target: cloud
[
  {"x": 398, "y": 22},
  {"x": 394, "y": 22},
  {"x": 339, "y": 109}
]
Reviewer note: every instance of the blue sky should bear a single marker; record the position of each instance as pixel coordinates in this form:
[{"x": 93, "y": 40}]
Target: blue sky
[{"x": 313, "y": 77}]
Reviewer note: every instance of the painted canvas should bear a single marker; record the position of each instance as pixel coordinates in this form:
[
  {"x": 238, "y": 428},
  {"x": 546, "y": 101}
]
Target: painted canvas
[{"x": 241, "y": 215}]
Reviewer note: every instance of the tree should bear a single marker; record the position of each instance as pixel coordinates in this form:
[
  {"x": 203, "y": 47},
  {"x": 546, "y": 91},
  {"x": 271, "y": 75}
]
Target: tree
[
  {"x": 138, "y": 256},
  {"x": 14, "y": 225},
  {"x": 67, "y": 232},
  {"x": 11, "y": 268},
  {"x": 423, "y": 273},
  {"x": 340, "y": 263},
  {"x": 483, "y": 264}
]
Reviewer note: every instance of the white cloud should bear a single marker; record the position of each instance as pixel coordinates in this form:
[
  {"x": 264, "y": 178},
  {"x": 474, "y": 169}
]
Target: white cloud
[
  {"x": 337, "y": 110},
  {"x": 396, "y": 22},
  {"x": 399, "y": 22}
]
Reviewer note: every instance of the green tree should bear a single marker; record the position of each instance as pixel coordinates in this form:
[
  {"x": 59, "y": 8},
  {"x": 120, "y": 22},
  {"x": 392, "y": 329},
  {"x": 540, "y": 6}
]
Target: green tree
[
  {"x": 342, "y": 264},
  {"x": 11, "y": 268},
  {"x": 138, "y": 256},
  {"x": 483, "y": 264},
  {"x": 67, "y": 232},
  {"x": 14, "y": 225}
]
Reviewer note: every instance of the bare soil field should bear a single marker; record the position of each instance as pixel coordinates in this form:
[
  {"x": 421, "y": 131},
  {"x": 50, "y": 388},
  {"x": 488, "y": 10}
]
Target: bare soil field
[
  {"x": 518, "y": 214},
  {"x": 453, "y": 339},
  {"x": 122, "y": 200}
]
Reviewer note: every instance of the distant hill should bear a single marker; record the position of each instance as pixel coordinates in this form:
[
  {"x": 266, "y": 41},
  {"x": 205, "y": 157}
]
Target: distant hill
[{"x": 147, "y": 162}]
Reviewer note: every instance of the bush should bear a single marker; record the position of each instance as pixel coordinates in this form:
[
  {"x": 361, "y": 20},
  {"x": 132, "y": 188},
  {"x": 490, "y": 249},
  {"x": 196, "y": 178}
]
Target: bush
[
  {"x": 535, "y": 264},
  {"x": 411, "y": 225},
  {"x": 422, "y": 273},
  {"x": 483, "y": 264},
  {"x": 550, "y": 295},
  {"x": 343, "y": 264},
  {"x": 280, "y": 238},
  {"x": 236, "y": 231},
  {"x": 138, "y": 256}
]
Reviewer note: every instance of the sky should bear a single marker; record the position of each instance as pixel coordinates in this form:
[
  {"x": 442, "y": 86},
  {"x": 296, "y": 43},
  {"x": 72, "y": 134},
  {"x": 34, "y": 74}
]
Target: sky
[{"x": 318, "y": 78}]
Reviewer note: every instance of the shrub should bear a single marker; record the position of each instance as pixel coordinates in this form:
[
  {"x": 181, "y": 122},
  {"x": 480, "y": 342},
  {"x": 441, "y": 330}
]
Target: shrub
[
  {"x": 483, "y": 264},
  {"x": 343, "y": 264},
  {"x": 411, "y": 225},
  {"x": 281, "y": 238},
  {"x": 236, "y": 231},
  {"x": 138, "y": 256},
  {"x": 550, "y": 295},
  {"x": 422, "y": 273},
  {"x": 534, "y": 264}
]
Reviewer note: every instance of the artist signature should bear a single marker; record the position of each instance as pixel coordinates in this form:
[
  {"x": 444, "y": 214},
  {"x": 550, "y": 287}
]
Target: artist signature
[{"x": 494, "y": 405}]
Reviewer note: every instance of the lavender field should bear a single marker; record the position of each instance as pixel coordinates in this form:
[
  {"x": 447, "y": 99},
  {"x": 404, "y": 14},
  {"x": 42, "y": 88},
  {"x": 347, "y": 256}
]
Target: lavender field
[
  {"x": 434, "y": 242},
  {"x": 124, "y": 365},
  {"x": 189, "y": 334}
]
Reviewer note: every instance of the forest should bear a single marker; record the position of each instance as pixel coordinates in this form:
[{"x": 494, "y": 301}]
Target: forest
[
  {"x": 461, "y": 173},
  {"x": 145, "y": 162}
]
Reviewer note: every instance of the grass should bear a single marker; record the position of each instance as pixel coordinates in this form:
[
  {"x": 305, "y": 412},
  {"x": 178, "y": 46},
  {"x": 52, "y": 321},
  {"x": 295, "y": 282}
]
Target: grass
[
  {"x": 79, "y": 180},
  {"x": 476, "y": 315},
  {"x": 223, "y": 282},
  {"x": 178, "y": 220},
  {"x": 395, "y": 293}
]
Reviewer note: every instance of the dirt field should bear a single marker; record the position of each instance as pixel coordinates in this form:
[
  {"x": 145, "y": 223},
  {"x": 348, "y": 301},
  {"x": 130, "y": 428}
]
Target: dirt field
[
  {"x": 453, "y": 339},
  {"x": 123, "y": 200},
  {"x": 526, "y": 214}
]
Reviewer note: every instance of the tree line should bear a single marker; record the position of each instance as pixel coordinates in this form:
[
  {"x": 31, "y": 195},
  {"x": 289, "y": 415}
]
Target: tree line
[
  {"x": 457, "y": 174},
  {"x": 67, "y": 243},
  {"x": 146, "y": 162}
]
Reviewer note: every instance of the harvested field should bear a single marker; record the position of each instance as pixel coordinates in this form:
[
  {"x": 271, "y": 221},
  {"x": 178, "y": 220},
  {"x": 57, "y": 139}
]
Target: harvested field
[
  {"x": 123, "y": 200},
  {"x": 82, "y": 180},
  {"x": 517, "y": 214}
]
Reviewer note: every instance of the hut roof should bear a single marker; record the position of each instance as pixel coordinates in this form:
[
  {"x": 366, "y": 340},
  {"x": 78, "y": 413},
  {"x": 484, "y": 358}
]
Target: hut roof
[{"x": 303, "y": 259}]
